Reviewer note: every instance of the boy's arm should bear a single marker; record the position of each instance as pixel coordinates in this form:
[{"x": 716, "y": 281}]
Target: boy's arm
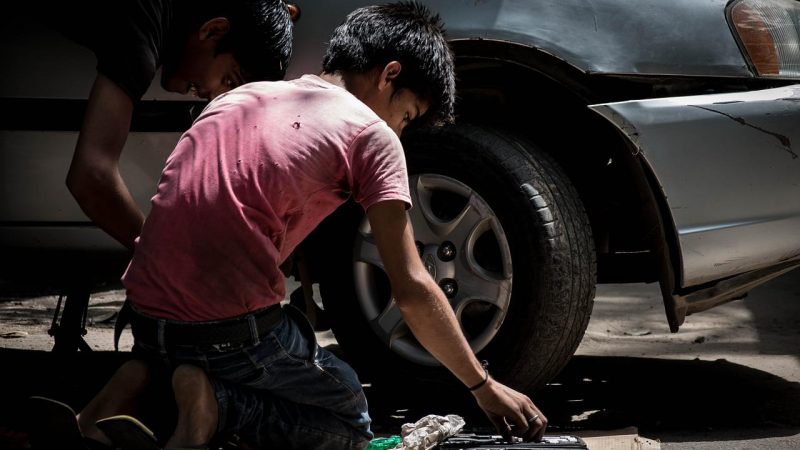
[
  {"x": 94, "y": 179},
  {"x": 431, "y": 319}
]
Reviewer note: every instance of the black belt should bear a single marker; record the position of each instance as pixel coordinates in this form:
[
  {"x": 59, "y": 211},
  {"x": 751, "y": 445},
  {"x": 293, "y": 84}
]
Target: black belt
[{"x": 222, "y": 334}]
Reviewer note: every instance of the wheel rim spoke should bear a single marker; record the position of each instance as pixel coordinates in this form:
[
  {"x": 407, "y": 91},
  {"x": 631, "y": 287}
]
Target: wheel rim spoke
[
  {"x": 466, "y": 263},
  {"x": 367, "y": 251},
  {"x": 428, "y": 227},
  {"x": 494, "y": 292},
  {"x": 390, "y": 324},
  {"x": 423, "y": 221},
  {"x": 468, "y": 221}
]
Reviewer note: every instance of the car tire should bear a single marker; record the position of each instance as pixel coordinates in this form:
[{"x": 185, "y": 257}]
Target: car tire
[{"x": 538, "y": 230}]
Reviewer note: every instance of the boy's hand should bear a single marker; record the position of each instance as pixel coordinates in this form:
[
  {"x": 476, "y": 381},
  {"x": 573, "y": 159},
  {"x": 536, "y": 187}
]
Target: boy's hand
[
  {"x": 506, "y": 407},
  {"x": 430, "y": 317}
]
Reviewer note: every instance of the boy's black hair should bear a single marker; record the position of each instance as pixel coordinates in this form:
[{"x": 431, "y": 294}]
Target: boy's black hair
[
  {"x": 260, "y": 37},
  {"x": 406, "y": 32}
]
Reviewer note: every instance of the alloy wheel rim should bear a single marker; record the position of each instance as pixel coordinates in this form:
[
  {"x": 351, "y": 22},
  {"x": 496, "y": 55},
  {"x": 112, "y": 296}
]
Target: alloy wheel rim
[{"x": 462, "y": 246}]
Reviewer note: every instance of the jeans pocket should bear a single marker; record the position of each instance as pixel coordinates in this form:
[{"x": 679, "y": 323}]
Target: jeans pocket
[
  {"x": 237, "y": 367},
  {"x": 297, "y": 339}
]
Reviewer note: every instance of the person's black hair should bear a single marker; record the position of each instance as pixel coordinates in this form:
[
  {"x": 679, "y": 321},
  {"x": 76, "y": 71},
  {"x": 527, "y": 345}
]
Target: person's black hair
[
  {"x": 406, "y": 32},
  {"x": 260, "y": 36}
]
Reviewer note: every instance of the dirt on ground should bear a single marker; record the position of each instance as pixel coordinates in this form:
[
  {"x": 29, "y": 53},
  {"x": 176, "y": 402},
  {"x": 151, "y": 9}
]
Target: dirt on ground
[{"x": 729, "y": 379}]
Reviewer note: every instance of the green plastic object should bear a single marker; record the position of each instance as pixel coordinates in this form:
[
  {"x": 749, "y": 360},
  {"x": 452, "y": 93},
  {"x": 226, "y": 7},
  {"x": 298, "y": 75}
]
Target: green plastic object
[{"x": 384, "y": 443}]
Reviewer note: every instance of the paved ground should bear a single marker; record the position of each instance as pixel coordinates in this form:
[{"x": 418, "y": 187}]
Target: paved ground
[{"x": 727, "y": 380}]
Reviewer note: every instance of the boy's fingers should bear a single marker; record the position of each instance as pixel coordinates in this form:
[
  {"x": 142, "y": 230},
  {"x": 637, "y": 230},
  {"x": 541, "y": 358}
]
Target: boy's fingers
[
  {"x": 534, "y": 426},
  {"x": 540, "y": 433},
  {"x": 501, "y": 426}
]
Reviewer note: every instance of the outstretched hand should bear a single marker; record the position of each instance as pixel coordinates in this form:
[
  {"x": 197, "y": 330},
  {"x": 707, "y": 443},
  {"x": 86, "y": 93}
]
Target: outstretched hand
[{"x": 511, "y": 412}]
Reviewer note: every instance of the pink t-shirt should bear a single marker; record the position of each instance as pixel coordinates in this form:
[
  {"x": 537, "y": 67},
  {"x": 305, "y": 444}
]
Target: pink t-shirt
[{"x": 261, "y": 167}]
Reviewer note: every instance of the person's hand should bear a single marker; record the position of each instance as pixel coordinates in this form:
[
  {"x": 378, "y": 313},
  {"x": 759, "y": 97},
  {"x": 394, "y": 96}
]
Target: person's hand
[{"x": 506, "y": 407}]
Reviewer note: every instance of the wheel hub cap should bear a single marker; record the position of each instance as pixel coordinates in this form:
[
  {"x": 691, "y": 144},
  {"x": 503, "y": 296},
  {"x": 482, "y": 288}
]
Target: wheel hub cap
[{"x": 463, "y": 248}]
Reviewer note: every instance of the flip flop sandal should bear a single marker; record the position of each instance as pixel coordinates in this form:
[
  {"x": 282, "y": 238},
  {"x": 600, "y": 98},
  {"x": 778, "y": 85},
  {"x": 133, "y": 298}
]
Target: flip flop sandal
[
  {"x": 52, "y": 424},
  {"x": 127, "y": 433}
]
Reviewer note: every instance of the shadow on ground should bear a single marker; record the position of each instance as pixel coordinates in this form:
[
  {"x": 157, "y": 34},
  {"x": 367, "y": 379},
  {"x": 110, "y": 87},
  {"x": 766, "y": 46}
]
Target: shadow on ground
[
  {"x": 605, "y": 393},
  {"x": 592, "y": 393}
]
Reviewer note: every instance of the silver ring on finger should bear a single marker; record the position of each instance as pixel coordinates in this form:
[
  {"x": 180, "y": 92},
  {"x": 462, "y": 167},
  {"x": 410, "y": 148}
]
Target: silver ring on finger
[{"x": 533, "y": 419}]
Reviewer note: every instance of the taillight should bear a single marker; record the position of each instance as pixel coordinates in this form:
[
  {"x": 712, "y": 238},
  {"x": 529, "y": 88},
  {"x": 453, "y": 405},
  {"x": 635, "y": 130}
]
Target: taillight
[{"x": 769, "y": 34}]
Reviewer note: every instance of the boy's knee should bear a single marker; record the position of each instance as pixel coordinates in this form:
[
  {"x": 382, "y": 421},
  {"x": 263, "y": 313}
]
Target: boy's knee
[
  {"x": 195, "y": 396},
  {"x": 188, "y": 375},
  {"x": 136, "y": 369},
  {"x": 134, "y": 373}
]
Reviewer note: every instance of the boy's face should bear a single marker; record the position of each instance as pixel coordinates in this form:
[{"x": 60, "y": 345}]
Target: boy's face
[
  {"x": 402, "y": 108},
  {"x": 200, "y": 70},
  {"x": 376, "y": 88},
  {"x": 205, "y": 76}
]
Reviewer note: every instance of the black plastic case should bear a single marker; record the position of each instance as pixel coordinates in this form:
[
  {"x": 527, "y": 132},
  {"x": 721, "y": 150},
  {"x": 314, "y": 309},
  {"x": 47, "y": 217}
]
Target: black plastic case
[{"x": 467, "y": 441}]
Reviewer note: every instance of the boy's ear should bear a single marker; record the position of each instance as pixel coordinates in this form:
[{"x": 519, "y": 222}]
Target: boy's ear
[
  {"x": 215, "y": 29},
  {"x": 389, "y": 73}
]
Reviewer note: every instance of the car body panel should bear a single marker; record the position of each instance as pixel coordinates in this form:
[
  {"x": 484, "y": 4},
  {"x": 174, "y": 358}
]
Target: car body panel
[
  {"x": 684, "y": 37},
  {"x": 728, "y": 167},
  {"x": 33, "y": 167},
  {"x": 39, "y": 62},
  {"x": 37, "y": 210},
  {"x": 688, "y": 38}
]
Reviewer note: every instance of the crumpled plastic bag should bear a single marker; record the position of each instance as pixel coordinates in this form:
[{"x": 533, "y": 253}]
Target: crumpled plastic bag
[
  {"x": 429, "y": 431},
  {"x": 384, "y": 443}
]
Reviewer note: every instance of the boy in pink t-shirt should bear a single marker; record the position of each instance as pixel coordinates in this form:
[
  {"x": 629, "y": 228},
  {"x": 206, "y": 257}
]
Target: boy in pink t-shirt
[{"x": 261, "y": 167}]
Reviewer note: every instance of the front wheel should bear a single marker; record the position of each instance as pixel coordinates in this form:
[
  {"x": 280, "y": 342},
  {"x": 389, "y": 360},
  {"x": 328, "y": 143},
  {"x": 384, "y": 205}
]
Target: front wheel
[{"x": 503, "y": 232}]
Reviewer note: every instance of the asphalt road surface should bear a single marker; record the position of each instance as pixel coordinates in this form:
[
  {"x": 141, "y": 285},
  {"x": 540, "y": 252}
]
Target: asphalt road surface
[{"x": 727, "y": 380}]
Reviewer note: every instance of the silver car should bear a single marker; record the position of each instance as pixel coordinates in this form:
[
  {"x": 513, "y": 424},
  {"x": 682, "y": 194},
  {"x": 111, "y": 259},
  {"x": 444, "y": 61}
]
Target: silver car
[{"x": 597, "y": 141}]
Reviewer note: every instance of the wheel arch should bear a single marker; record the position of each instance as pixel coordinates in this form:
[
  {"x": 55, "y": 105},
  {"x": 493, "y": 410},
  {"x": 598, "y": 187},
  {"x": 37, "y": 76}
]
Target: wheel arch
[{"x": 635, "y": 236}]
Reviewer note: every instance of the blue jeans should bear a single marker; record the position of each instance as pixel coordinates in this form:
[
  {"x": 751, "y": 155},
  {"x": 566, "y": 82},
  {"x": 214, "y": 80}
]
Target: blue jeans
[{"x": 284, "y": 391}]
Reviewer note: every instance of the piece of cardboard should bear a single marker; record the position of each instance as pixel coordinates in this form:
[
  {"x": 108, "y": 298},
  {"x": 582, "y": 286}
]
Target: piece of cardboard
[{"x": 622, "y": 439}]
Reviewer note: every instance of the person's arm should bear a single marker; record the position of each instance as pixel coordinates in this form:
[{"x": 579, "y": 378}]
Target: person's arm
[
  {"x": 431, "y": 319},
  {"x": 94, "y": 179}
]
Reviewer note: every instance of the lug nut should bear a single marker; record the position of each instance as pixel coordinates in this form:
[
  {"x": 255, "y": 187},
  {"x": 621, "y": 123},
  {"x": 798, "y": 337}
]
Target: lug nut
[
  {"x": 447, "y": 251},
  {"x": 449, "y": 287}
]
